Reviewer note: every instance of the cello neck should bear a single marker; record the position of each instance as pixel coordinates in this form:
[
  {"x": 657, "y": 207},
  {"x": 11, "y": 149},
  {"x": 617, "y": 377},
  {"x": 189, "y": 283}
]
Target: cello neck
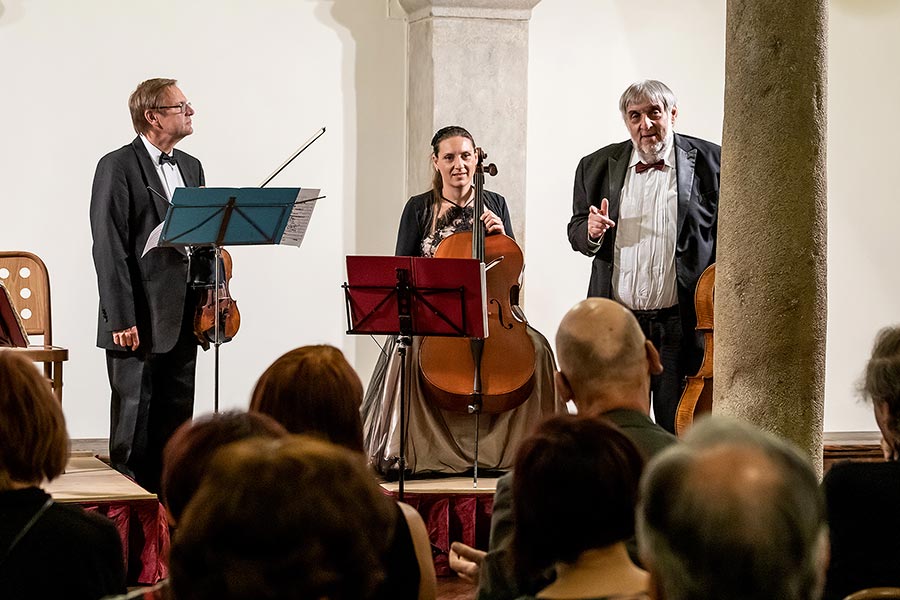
[{"x": 478, "y": 208}]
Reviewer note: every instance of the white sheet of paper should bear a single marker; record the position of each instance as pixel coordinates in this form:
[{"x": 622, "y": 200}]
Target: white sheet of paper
[
  {"x": 153, "y": 240},
  {"x": 298, "y": 222}
]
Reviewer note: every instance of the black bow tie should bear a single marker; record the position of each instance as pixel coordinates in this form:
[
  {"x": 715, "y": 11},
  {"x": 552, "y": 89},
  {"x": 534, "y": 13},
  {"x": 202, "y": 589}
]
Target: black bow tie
[{"x": 165, "y": 158}]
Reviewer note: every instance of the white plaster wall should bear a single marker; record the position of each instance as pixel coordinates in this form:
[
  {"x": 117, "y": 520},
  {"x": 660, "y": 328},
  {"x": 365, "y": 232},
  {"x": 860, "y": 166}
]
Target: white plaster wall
[
  {"x": 863, "y": 198},
  {"x": 585, "y": 52},
  {"x": 262, "y": 76}
]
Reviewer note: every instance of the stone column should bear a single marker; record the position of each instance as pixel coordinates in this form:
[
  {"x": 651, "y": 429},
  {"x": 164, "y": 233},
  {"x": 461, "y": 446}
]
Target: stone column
[
  {"x": 468, "y": 65},
  {"x": 770, "y": 311}
]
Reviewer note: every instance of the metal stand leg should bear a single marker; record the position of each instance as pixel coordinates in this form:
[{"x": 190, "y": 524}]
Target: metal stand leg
[
  {"x": 403, "y": 343},
  {"x": 217, "y": 342},
  {"x": 477, "y": 429}
]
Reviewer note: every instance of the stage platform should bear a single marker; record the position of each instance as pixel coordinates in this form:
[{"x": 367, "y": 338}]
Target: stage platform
[
  {"x": 453, "y": 511},
  {"x": 136, "y": 513}
]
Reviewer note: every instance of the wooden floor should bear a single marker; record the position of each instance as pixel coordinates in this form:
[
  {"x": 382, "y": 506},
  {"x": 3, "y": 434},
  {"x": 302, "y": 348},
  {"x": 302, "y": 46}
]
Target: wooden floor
[{"x": 454, "y": 588}]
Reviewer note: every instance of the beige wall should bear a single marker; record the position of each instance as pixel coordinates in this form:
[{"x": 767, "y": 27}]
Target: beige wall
[
  {"x": 264, "y": 74},
  {"x": 579, "y": 66}
]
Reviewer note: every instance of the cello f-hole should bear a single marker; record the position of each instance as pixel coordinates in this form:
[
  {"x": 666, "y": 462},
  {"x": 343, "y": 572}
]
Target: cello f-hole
[{"x": 500, "y": 314}]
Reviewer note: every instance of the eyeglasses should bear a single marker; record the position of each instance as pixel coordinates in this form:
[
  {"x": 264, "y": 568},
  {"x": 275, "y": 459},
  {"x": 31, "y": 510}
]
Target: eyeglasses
[{"x": 181, "y": 107}]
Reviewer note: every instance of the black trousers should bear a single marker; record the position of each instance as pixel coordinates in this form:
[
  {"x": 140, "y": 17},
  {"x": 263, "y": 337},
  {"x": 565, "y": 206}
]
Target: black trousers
[
  {"x": 663, "y": 328},
  {"x": 152, "y": 394}
]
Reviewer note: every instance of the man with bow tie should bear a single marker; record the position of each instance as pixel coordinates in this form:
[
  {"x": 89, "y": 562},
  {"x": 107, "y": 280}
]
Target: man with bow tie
[
  {"x": 145, "y": 321},
  {"x": 646, "y": 211}
]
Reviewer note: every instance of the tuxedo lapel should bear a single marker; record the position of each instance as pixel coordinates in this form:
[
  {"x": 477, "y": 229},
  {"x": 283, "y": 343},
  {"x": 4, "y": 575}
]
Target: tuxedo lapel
[
  {"x": 151, "y": 176},
  {"x": 191, "y": 178},
  {"x": 684, "y": 177},
  {"x": 617, "y": 167}
]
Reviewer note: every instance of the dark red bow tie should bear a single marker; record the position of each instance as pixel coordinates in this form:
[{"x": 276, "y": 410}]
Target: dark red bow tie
[
  {"x": 641, "y": 166},
  {"x": 165, "y": 158}
]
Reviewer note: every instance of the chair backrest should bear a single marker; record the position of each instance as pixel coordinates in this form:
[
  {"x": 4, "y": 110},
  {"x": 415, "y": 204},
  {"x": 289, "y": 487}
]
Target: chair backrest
[
  {"x": 25, "y": 276},
  {"x": 884, "y": 593}
]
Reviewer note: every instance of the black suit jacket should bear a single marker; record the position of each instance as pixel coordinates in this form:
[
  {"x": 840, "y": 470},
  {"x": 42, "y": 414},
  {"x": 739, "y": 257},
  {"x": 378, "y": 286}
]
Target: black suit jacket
[
  {"x": 148, "y": 292},
  {"x": 602, "y": 175}
]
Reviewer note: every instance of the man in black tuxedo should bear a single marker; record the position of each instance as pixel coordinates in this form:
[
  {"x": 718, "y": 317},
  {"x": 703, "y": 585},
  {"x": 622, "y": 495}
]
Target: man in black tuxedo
[
  {"x": 146, "y": 305},
  {"x": 646, "y": 211}
]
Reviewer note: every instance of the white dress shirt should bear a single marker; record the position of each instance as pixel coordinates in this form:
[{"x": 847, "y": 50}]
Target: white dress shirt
[
  {"x": 643, "y": 276},
  {"x": 168, "y": 173}
]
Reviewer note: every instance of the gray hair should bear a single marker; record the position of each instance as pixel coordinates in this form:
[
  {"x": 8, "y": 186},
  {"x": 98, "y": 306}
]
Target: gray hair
[
  {"x": 647, "y": 90},
  {"x": 734, "y": 512},
  {"x": 881, "y": 380}
]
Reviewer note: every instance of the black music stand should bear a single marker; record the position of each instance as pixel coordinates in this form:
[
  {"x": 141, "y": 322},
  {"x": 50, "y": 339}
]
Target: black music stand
[
  {"x": 229, "y": 216},
  {"x": 407, "y": 296}
]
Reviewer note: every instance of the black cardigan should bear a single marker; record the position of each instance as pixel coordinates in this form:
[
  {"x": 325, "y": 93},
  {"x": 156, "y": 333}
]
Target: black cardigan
[
  {"x": 414, "y": 223},
  {"x": 68, "y": 553}
]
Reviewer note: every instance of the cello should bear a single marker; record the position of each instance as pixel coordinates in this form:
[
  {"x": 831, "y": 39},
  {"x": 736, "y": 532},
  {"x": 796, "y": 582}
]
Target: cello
[
  {"x": 698, "y": 393},
  {"x": 493, "y": 374}
]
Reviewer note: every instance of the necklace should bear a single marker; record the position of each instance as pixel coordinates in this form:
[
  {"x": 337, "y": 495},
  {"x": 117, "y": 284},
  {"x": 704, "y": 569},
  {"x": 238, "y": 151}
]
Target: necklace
[{"x": 467, "y": 202}]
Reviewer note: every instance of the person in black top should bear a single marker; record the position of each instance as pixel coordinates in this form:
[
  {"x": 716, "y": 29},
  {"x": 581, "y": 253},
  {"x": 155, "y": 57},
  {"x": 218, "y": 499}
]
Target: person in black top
[
  {"x": 862, "y": 498},
  {"x": 646, "y": 211},
  {"x": 440, "y": 441},
  {"x": 295, "y": 517},
  {"x": 47, "y": 550},
  {"x": 313, "y": 390}
]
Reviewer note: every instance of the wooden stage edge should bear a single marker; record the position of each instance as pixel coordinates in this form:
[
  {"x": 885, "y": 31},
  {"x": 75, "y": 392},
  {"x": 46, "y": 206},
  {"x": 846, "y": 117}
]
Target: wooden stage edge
[
  {"x": 844, "y": 445},
  {"x": 88, "y": 479},
  {"x": 443, "y": 485}
]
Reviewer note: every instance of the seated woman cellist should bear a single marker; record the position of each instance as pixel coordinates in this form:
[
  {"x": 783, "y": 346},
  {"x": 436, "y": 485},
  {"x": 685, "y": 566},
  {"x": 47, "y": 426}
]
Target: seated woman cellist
[{"x": 438, "y": 440}]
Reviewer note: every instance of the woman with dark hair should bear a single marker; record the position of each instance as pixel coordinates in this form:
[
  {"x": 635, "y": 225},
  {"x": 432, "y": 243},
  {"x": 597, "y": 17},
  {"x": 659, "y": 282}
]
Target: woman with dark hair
[
  {"x": 314, "y": 391},
  {"x": 186, "y": 458},
  {"x": 47, "y": 550},
  {"x": 863, "y": 498},
  {"x": 574, "y": 496},
  {"x": 191, "y": 448},
  {"x": 441, "y": 441},
  {"x": 291, "y": 518}
]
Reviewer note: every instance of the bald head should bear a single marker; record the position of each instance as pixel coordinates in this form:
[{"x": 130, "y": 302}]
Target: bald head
[
  {"x": 599, "y": 345},
  {"x": 729, "y": 495}
]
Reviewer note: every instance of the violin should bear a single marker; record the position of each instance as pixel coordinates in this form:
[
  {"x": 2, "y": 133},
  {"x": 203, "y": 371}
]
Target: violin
[
  {"x": 697, "y": 396},
  {"x": 205, "y": 313},
  {"x": 494, "y": 374}
]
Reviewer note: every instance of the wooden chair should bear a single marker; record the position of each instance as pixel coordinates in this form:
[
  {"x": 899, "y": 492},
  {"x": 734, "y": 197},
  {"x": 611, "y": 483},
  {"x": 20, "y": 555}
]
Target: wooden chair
[
  {"x": 884, "y": 593},
  {"x": 26, "y": 278}
]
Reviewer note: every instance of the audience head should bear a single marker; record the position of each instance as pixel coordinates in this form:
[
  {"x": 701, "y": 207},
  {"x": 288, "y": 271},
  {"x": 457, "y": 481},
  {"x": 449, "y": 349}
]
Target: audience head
[
  {"x": 575, "y": 489},
  {"x": 881, "y": 384},
  {"x": 733, "y": 512},
  {"x": 313, "y": 390},
  {"x": 190, "y": 450},
  {"x": 605, "y": 361},
  {"x": 34, "y": 444},
  {"x": 295, "y": 517}
]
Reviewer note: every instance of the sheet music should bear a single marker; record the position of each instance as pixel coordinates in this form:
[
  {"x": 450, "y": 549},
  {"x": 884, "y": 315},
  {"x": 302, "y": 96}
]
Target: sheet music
[
  {"x": 300, "y": 216},
  {"x": 153, "y": 240}
]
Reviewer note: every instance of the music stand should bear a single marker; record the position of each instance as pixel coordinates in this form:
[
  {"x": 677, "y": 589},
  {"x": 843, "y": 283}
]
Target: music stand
[
  {"x": 406, "y": 296},
  {"x": 235, "y": 217}
]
